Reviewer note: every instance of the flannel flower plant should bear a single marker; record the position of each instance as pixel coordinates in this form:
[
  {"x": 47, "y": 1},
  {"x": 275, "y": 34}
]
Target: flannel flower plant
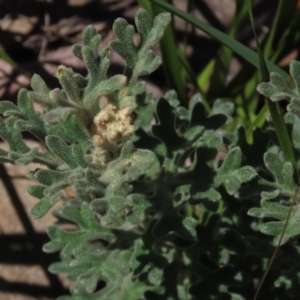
[{"x": 157, "y": 214}]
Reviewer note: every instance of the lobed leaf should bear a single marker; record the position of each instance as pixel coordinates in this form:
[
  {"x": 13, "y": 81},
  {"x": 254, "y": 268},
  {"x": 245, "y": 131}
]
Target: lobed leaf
[{"x": 232, "y": 174}]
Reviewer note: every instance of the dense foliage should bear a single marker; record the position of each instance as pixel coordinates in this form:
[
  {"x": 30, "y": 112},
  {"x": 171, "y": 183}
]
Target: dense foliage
[{"x": 168, "y": 204}]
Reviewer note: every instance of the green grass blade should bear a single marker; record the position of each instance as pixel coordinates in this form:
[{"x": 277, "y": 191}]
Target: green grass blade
[
  {"x": 258, "y": 122},
  {"x": 271, "y": 35},
  {"x": 203, "y": 78},
  {"x": 192, "y": 78},
  {"x": 288, "y": 15},
  {"x": 287, "y": 35},
  {"x": 288, "y": 41},
  {"x": 173, "y": 70},
  {"x": 146, "y": 5},
  {"x": 7, "y": 58},
  {"x": 217, "y": 87},
  {"x": 234, "y": 45},
  {"x": 284, "y": 140},
  {"x": 277, "y": 118}
]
